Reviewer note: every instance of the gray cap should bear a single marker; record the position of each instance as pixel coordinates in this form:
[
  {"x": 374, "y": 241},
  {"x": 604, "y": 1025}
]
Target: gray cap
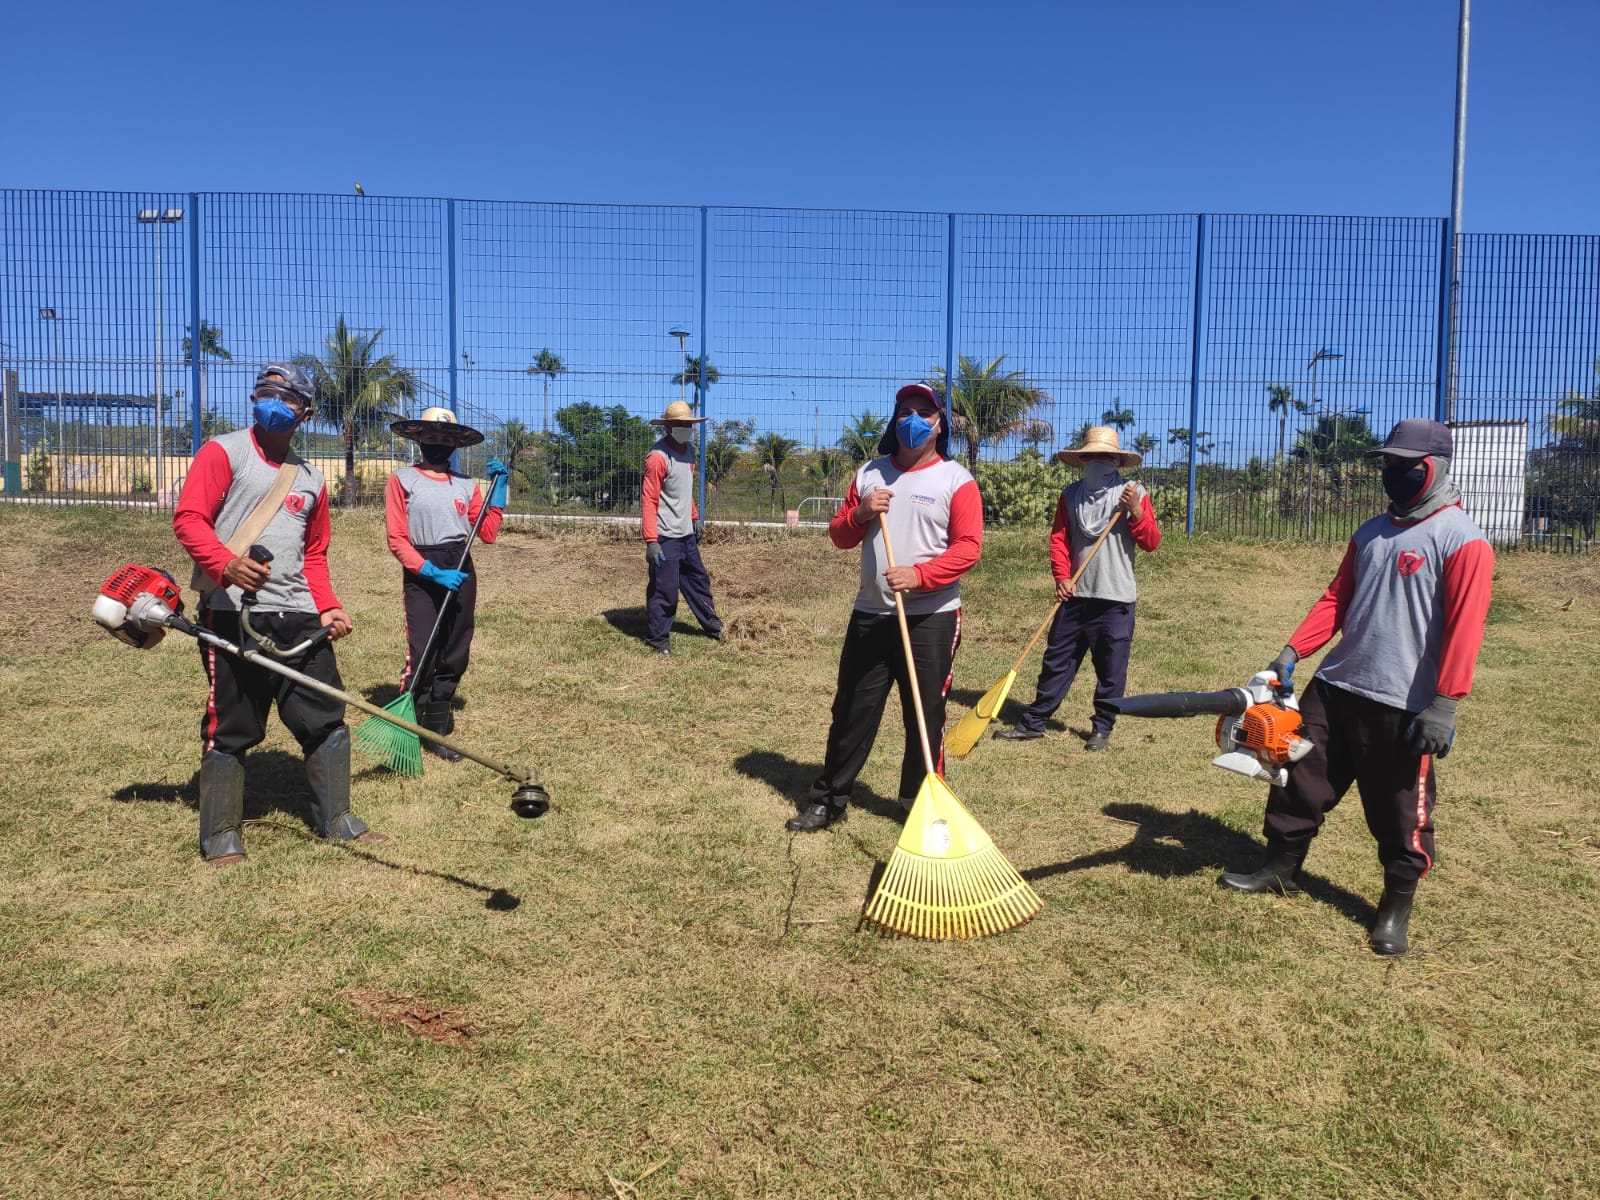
[
  {"x": 1416, "y": 437},
  {"x": 289, "y": 377}
]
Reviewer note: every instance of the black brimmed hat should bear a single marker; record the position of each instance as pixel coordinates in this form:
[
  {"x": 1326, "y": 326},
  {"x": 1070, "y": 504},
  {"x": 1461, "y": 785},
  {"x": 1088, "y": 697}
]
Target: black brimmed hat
[
  {"x": 438, "y": 427},
  {"x": 1417, "y": 437}
]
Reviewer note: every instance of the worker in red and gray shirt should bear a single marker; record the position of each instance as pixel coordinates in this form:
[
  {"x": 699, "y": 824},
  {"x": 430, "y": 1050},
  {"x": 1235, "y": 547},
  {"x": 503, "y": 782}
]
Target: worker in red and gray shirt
[
  {"x": 429, "y": 513},
  {"x": 1097, "y": 612},
  {"x": 1410, "y": 600},
  {"x": 672, "y": 531},
  {"x": 231, "y": 477},
  {"x": 935, "y": 517}
]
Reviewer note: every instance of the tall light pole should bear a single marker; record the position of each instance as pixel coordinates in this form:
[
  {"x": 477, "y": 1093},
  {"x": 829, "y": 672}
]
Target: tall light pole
[
  {"x": 160, "y": 218},
  {"x": 1322, "y": 353},
  {"x": 679, "y": 332},
  {"x": 50, "y": 314},
  {"x": 1458, "y": 173}
]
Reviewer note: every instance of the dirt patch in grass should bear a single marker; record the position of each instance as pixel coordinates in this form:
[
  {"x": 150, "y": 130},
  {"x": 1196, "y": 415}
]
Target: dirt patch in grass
[{"x": 417, "y": 1017}]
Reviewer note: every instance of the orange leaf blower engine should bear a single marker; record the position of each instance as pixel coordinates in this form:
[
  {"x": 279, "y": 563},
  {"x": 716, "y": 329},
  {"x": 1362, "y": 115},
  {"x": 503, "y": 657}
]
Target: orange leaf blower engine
[{"x": 1258, "y": 725}]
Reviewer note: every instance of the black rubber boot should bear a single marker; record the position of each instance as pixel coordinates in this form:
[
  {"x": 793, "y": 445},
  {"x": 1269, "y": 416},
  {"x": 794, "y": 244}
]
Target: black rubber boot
[
  {"x": 328, "y": 774},
  {"x": 1278, "y": 872},
  {"x": 221, "y": 808},
  {"x": 1394, "y": 915},
  {"x": 436, "y": 715}
]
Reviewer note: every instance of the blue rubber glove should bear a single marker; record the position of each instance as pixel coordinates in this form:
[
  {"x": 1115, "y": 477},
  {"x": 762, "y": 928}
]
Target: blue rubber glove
[
  {"x": 1283, "y": 668},
  {"x": 443, "y": 576},
  {"x": 1434, "y": 728},
  {"x": 501, "y": 492}
]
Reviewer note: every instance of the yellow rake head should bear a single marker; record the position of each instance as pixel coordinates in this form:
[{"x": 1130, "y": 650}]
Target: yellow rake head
[{"x": 967, "y": 732}]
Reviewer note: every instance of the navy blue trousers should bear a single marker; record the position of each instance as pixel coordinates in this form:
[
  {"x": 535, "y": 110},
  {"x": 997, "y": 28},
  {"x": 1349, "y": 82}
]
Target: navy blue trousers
[
  {"x": 680, "y": 570},
  {"x": 1102, "y": 629}
]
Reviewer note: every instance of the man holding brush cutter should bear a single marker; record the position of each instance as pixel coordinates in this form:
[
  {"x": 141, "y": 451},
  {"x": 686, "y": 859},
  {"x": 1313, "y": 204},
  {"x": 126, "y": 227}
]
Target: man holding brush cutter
[
  {"x": 1097, "y": 603},
  {"x": 432, "y": 513},
  {"x": 934, "y": 514}
]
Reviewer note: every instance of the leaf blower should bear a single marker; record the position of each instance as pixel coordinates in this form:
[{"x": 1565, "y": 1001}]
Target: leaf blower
[
  {"x": 137, "y": 605},
  {"x": 1258, "y": 725}
]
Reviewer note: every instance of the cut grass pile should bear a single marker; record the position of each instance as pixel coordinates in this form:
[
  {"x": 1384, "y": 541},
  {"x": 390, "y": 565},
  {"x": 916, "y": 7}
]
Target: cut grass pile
[{"x": 656, "y": 987}]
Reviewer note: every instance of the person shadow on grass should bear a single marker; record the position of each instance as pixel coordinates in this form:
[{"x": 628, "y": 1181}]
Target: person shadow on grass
[
  {"x": 792, "y": 780},
  {"x": 635, "y": 623},
  {"x": 1168, "y": 845},
  {"x": 274, "y": 785}
]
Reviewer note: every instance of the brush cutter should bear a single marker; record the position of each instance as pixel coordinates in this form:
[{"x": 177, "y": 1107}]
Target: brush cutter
[
  {"x": 137, "y": 605},
  {"x": 1258, "y": 726},
  {"x": 945, "y": 878},
  {"x": 970, "y": 728},
  {"x": 388, "y": 741}
]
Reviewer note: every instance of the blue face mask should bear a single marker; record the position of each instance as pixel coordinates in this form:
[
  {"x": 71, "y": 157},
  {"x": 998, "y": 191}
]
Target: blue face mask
[
  {"x": 912, "y": 430},
  {"x": 272, "y": 415}
]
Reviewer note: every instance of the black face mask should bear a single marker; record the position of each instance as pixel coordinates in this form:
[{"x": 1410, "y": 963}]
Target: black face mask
[
  {"x": 1403, "y": 481},
  {"x": 437, "y": 456}
]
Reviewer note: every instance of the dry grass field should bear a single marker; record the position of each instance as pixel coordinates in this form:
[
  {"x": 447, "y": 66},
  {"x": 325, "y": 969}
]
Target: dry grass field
[{"x": 655, "y": 991}]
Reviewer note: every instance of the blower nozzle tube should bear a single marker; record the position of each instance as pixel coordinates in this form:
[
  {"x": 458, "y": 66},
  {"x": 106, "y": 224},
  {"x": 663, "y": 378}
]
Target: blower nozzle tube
[{"x": 1228, "y": 702}]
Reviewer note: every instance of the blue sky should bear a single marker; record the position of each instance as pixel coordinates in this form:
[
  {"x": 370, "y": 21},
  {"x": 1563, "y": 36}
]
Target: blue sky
[{"x": 1007, "y": 106}]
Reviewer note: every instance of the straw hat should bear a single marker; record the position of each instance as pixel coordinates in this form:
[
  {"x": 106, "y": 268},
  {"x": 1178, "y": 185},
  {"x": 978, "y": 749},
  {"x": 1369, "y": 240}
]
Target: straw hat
[
  {"x": 438, "y": 427},
  {"x": 1100, "y": 439},
  {"x": 678, "y": 410}
]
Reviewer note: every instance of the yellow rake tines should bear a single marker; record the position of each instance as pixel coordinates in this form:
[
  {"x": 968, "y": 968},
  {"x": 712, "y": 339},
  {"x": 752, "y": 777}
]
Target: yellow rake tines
[{"x": 945, "y": 878}]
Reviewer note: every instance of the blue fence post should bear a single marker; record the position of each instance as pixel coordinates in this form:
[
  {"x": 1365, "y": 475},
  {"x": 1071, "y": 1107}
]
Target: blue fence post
[
  {"x": 450, "y": 290},
  {"x": 1196, "y": 358},
  {"x": 949, "y": 315},
  {"x": 700, "y": 390},
  {"x": 196, "y": 344},
  {"x": 1441, "y": 364}
]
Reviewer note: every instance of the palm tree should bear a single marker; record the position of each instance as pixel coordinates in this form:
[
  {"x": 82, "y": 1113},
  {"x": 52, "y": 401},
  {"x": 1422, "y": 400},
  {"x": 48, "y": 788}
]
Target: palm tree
[
  {"x": 1117, "y": 417},
  {"x": 513, "y": 442},
  {"x": 1576, "y": 419},
  {"x": 773, "y": 450},
  {"x": 549, "y": 365},
  {"x": 356, "y": 388},
  {"x": 861, "y": 436},
  {"x": 1036, "y": 432},
  {"x": 1280, "y": 399},
  {"x": 987, "y": 404},
  {"x": 1146, "y": 444},
  {"x": 210, "y": 347},
  {"x": 690, "y": 375},
  {"x": 826, "y": 466}
]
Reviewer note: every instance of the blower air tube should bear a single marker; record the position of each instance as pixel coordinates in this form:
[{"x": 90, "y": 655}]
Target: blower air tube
[{"x": 1227, "y": 702}]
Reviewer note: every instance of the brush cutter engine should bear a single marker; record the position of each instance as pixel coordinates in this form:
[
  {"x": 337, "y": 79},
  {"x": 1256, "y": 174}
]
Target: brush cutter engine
[
  {"x": 137, "y": 605},
  {"x": 1258, "y": 726}
]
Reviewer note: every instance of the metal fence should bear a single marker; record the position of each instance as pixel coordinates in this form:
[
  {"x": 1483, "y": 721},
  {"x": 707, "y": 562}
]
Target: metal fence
[{"x": 1251, "y": 359}]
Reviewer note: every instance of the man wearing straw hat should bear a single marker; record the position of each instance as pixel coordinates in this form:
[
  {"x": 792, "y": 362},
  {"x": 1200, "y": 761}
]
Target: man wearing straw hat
[
  {"x": 429, "y": 512},
  {"x": 935, "y": 516},
  {"x": 672, "y": 531},
  {"x": 1096, "y": 614}
]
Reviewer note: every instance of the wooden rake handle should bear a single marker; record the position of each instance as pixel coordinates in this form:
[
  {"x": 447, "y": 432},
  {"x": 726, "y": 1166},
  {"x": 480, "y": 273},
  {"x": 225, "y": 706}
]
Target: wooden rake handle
[
  {"x": 905, "y": 641},
  {"x": 1076, "y": 575}
]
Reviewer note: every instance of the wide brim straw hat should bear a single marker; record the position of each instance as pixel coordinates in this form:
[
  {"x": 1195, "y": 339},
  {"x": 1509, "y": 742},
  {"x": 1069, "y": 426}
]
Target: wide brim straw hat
[
  {"x": 1100, "y": 439},
  {"x": 438, "y": 427},
  {"x": 677, "y": 411}
]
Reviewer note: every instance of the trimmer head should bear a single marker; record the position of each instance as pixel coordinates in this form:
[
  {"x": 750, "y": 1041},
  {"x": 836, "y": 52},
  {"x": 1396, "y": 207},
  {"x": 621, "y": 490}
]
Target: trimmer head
[{"x": 530, "y": 801}]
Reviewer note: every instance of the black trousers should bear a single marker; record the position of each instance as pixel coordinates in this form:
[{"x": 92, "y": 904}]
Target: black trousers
[
  {"x": 423, "y": 598},
  {"x": 241, "y": 694},
  {"x": 872, "y": 660},
  {"x": 681, "y": 570},
  {"x": 1102, "y": 629},
  {"x": 1359, "y": 741}
]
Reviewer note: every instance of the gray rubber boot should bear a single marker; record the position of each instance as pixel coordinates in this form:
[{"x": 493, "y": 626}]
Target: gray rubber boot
[
  {"x": 328, "y": 773},
  {"x": 221, "y": 807},
  {"x": 1394, "y": 916},
  {"x": 1277, "y": 873}
]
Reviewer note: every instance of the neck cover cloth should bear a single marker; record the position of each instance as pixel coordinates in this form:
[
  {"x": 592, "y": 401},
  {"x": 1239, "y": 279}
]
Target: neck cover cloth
[
  {"x": 1435, "y": 488},
  {"x": 1098, "y": 500}
]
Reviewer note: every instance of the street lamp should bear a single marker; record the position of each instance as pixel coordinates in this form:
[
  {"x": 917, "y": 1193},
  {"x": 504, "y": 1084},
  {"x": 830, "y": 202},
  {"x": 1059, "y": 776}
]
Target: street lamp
[
  {"x": 160, "y": 218},
  {"x": 1322, "y": 353},
  {"x": 679, "y": 332},
  {"x": 466, "y": 367},
  {"x": 50, "y": 314}
]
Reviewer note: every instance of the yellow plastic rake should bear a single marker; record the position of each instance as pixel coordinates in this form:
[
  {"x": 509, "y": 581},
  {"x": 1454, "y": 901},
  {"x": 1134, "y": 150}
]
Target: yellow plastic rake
[
  {"x": 945, "y": 878},
  {"x": 970, "y": 728}
]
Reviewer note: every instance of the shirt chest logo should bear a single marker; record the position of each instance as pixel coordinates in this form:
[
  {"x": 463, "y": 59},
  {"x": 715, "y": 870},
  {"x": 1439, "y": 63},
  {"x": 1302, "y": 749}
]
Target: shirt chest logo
[
  {"x": 923, "y": 499},
  {"x": 295, "y": 502},
  {"x": 1410, "y": 562},
  {"x": 461, "y": 507}
]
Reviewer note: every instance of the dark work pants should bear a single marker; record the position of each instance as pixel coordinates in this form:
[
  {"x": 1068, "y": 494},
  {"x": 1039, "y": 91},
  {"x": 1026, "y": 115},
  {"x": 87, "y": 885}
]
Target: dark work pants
[
  {"x": 242, "y": 692},
  {"x": 422, "y": 598},
  {"x": 1102, "y": 629},
  {"x": 873, "y": 659},
  {"x": 680, "y": 570},
  {"x": 1356, "y": 740}
]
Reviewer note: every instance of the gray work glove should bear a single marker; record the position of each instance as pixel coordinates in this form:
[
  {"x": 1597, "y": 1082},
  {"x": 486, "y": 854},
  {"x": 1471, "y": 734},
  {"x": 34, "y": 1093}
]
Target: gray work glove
[
  {"x": 1283, "y": 668},
  {"x": 653, "y": 554},
  {"x": 1433, "y": 729},
  {"x": 699, "y": 530}
]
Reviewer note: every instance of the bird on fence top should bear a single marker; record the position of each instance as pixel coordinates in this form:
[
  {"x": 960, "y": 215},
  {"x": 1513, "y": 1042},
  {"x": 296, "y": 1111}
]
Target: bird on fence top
[{"x": 360, "y": 191}]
